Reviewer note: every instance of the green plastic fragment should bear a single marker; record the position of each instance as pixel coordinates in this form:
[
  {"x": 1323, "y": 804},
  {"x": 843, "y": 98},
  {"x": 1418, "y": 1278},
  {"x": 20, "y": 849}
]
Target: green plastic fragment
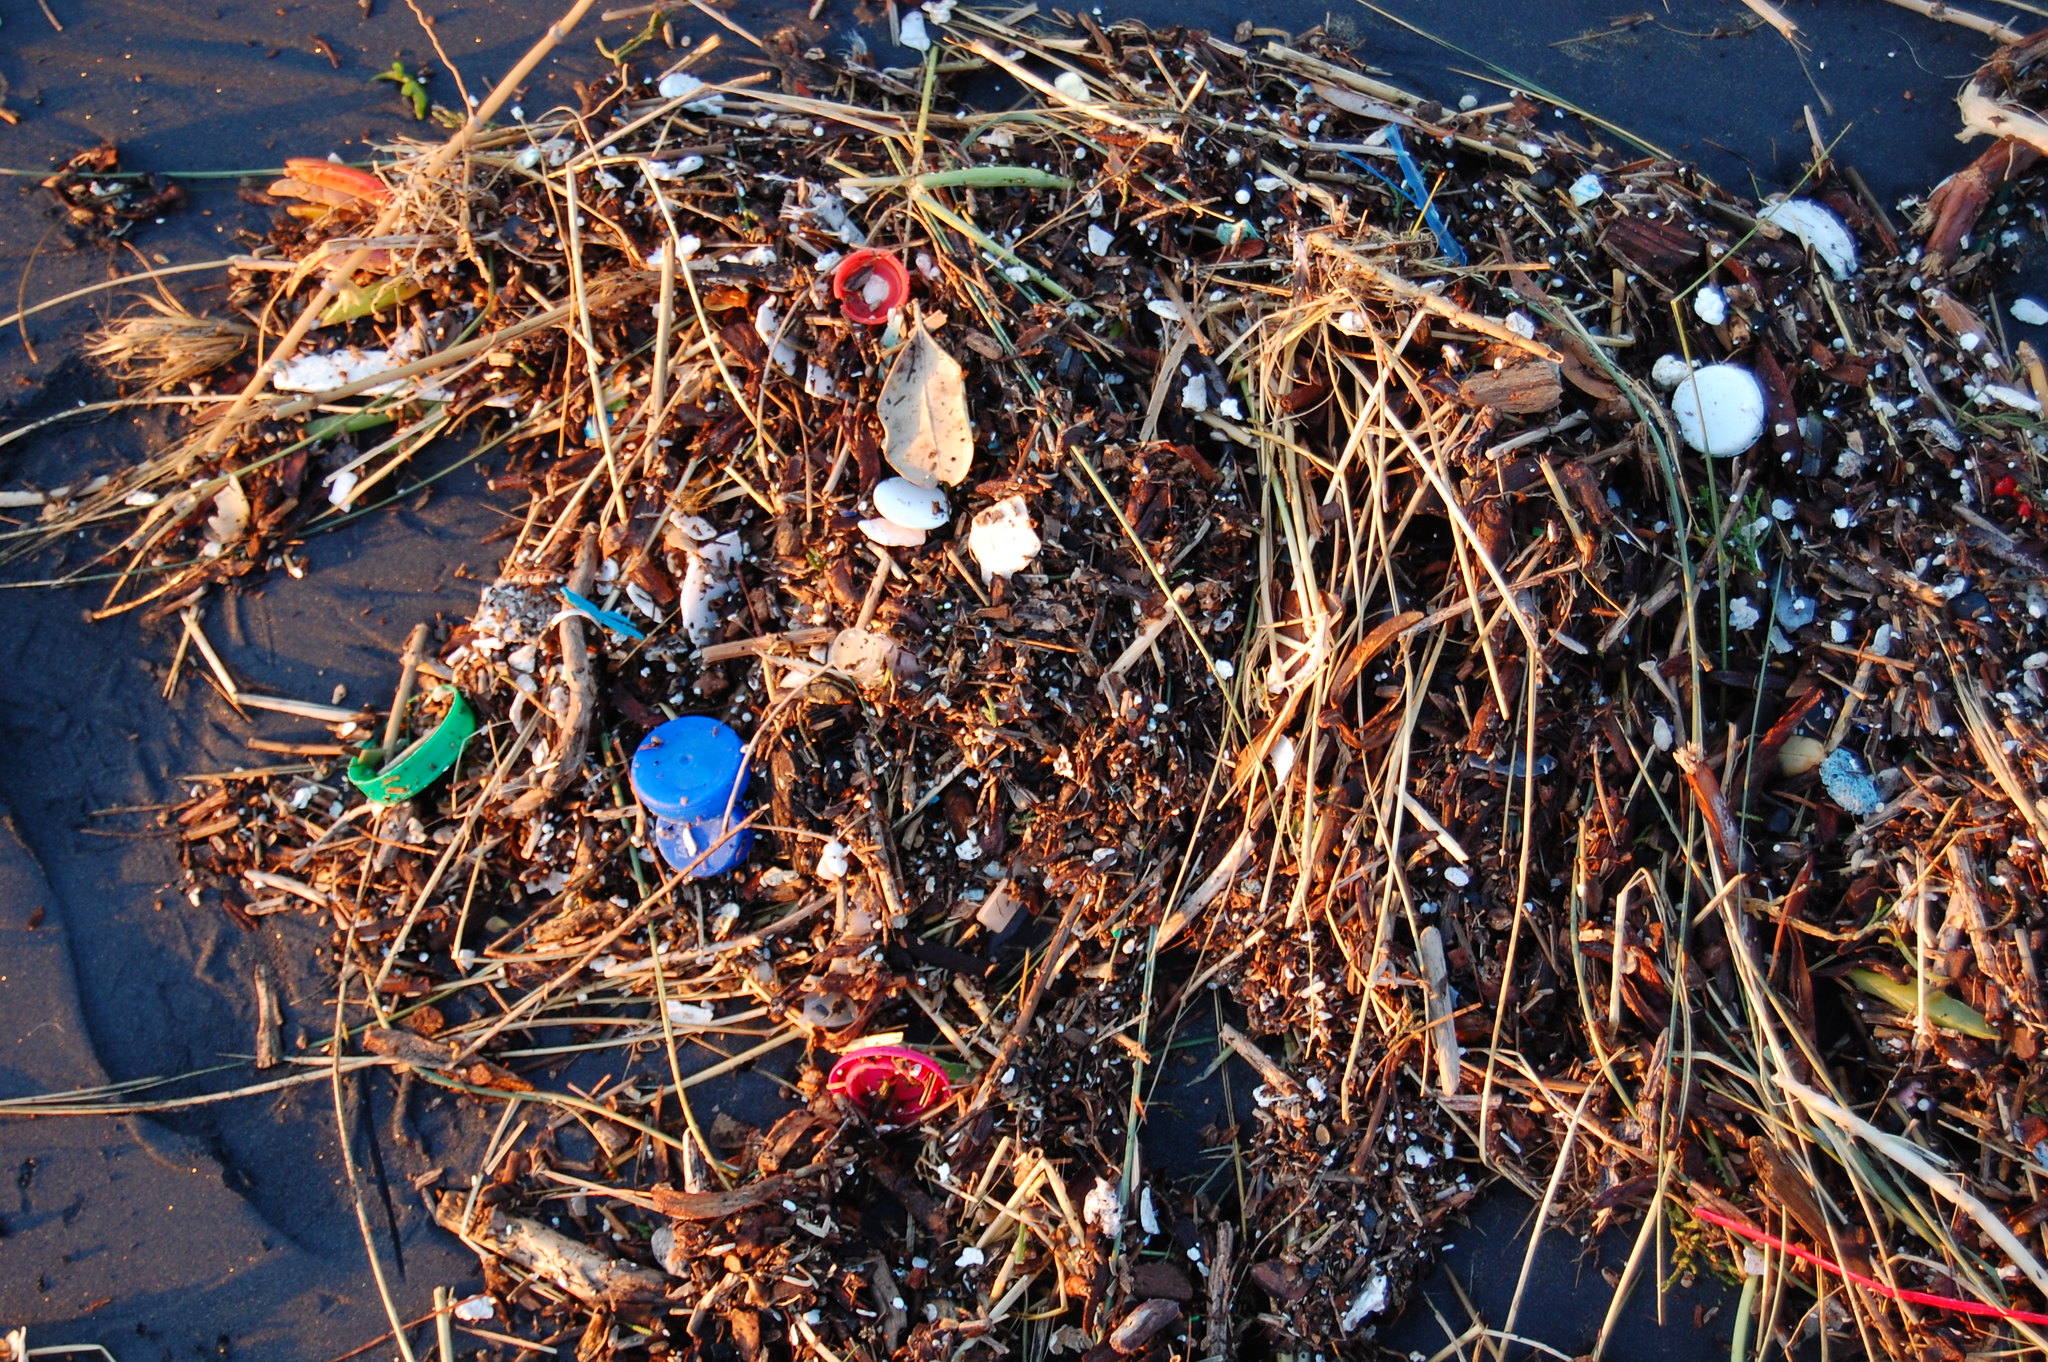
[{"x": 425, "y": 762}]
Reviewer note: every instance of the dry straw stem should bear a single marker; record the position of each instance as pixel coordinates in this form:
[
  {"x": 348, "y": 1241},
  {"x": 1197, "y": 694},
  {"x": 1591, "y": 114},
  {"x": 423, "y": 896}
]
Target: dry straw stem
[{"x": 428, "y": 174}]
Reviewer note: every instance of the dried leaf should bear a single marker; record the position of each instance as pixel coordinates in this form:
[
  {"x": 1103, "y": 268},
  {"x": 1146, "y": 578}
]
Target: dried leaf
[{"x": 928, "y": 436}]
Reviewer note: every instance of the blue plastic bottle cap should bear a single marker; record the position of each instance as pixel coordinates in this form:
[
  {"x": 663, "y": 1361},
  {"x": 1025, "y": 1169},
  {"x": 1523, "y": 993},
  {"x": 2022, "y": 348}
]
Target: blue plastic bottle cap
[
  {"x": 689, "y": 768},
  {"x": 681, "y": 843}
]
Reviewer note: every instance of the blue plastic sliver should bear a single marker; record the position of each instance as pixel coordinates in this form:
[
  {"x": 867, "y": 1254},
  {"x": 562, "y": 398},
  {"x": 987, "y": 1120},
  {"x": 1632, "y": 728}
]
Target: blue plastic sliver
[
  {"x": 591, "y": 610},
  {"x": 1419, "y": 195}
]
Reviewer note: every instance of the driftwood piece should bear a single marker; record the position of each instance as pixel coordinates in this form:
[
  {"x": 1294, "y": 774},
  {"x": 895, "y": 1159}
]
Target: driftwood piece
[
  {"x": 269, "y": 1019},
  {"x": 582, "y": 684},
  {"x": 718, "y": 1205},
  {"x": 1958, "y": 201},
  {"x": 1987, "y": 102},
  {"x": 589, "y": 1276}
]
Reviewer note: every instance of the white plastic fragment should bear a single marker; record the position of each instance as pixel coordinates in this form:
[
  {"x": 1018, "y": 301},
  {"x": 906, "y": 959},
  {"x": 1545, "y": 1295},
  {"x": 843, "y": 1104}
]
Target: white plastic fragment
[
  {"x": 2005, "y": 395},
  {"x": 2029, "y": 312},
  {"x": 833, "y": 861},
  {"x": 912, "y": 34},
  {"x": 476, "y": 1309},
  {"x": 1070, "y": 84},
  {"x": 1103, "y": 1208},
  {"x": 1720, "y": 409},
  {"x": 890, "y": 535},
  {"x": 1669, "y": 371},
  {"x": 677, "y": 84},
  {"x": 1710, "y": 305},
  {"x": 707, "y": 579},
  {"x": 683, "y": 85},
  {"x": 230, "y": 514},
  {"x": 1100, "y": 241},
  {"x": 1002, "y": 539},
  {"x": 1586, "y": 189},
  {"x": 1370, "y": 1301},
  {"x": 319, "y": 373},
  {"x": 768, "y": 326},
  {"x": 674, "y": 170},
  {"x": 1743, "y": 614},
  {"x": 1794, "y": 611},
  {"x": 912, "y": 506},
  {"x": 1818, "y": 229}
]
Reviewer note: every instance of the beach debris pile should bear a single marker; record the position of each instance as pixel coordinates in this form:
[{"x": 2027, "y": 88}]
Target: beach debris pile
[{"x": 1498, "y": 655}]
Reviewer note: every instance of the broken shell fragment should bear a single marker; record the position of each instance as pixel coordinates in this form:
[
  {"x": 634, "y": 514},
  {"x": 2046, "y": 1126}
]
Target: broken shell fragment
[
  {"x": 1818, "y": 229},
  {"x": 889, "y": 534},
  {"x": 865, "y": 655},
  {"x": 1001, "y": 538},
  {"x": 1720, "y": 409},
  {"x": 912, "y": 506}
]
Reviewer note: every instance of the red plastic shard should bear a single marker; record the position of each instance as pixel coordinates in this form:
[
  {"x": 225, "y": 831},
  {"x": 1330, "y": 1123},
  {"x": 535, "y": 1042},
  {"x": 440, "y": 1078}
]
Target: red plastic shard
[
  {"x": 892, "y": 1084},
  {"x": 852, "y": 279}
]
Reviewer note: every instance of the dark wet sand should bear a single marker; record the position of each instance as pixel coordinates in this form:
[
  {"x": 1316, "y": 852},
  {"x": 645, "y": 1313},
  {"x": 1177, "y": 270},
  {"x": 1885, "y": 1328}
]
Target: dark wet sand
[{"x": 226, "y": 1231}]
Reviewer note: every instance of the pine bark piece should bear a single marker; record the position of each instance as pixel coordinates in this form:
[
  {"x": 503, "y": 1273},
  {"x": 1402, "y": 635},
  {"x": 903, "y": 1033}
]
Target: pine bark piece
[
  {"x": 1137, "y": 1328},
  {"x": 1526, "y": 389}
]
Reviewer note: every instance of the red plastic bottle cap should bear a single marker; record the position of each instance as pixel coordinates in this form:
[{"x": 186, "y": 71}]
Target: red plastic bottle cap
[
  {"x": 853, "y": 283},
  {"x": 893, "y": 1084}
]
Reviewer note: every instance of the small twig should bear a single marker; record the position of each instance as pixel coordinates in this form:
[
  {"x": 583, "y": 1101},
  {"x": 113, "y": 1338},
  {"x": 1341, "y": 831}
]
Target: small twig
[
  {"x": 582, "y": 685},
  {"x": 1961, "y": 18},
  {"x": 408, "y": 676}
]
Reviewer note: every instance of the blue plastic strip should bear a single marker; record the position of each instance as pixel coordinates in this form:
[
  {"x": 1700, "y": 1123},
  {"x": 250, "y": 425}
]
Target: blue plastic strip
[
  {"x": 610, "y": 619},
  {"x": 1419, "y": 195}
]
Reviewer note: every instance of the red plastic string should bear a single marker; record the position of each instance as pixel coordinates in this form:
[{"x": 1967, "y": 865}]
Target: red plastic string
[{"x": 1961, "y": 1307}]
